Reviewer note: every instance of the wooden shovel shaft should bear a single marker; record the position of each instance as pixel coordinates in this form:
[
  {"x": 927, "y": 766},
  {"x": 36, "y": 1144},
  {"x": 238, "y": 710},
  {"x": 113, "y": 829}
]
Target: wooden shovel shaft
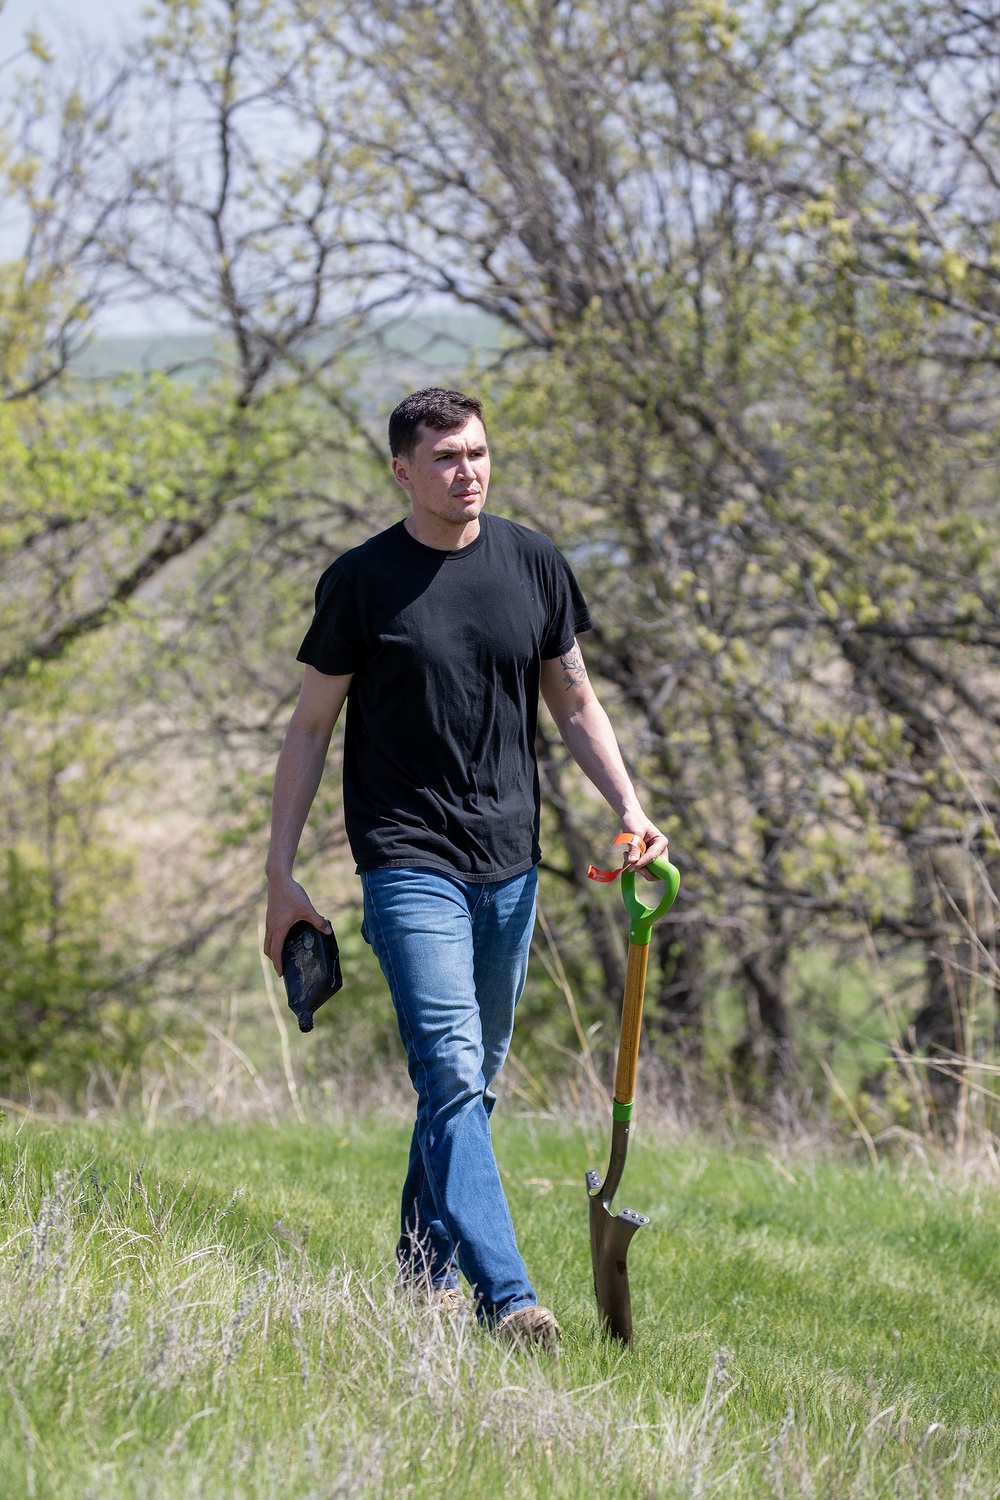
[{"x": 628, "y": 1043}]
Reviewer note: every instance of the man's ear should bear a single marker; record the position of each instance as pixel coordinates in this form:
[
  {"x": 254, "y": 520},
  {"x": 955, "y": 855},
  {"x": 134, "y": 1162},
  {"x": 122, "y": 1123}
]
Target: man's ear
[{"x": 401, "y": 474}]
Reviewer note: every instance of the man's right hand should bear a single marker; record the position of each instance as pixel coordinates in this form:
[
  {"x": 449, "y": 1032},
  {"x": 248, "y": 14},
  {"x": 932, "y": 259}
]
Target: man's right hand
[{"x": 287, "y": 903}]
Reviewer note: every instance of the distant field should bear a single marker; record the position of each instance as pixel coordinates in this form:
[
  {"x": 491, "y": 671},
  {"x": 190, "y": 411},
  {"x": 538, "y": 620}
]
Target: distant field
[
  {"x": 395, "y": 354},
  {"x": 209, "y": 1311}
]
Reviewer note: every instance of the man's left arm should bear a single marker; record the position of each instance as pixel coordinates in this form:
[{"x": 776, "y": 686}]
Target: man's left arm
[{"x": 587, "y": 733}]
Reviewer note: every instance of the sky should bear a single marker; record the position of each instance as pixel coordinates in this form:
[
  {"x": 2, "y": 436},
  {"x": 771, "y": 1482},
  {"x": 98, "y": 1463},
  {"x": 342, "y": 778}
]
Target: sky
[
  {"x": 64, "y": 22},
  {"x": 99, "y": 19}
]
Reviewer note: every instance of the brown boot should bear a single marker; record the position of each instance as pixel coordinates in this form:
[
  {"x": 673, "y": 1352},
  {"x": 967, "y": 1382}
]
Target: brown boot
[
  {"x": 530, "y": 1327},
  {"x": 419, "y": 1291},
  {"x": 448, "y": 1299}
]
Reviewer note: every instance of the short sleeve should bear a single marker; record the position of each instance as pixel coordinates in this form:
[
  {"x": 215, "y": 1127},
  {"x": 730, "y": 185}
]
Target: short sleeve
[
  {"x": 568, "y": 614},
  {"x": 333, "y": 643}
]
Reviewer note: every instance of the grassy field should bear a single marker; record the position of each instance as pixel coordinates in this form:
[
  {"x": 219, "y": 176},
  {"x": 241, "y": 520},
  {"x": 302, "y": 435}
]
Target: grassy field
[{"x": 208, "y": 1311}]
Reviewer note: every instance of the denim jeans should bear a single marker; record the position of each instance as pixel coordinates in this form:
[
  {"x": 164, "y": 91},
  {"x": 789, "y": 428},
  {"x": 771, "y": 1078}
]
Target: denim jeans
[{"x": 455, "y": 957}]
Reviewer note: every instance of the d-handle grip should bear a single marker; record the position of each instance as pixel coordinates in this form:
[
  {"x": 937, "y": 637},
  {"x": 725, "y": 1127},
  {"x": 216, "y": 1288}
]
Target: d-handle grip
[{"x": 643, "y": 916}]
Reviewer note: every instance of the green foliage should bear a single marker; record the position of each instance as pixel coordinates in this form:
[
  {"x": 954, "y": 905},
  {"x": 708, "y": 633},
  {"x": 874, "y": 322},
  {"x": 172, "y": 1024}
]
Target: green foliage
[
  {"x": 159, "y": 547},
  {"x": 105, "y": 487},
  {"x": 60, "y": 1017},
  {"x": 69, "y": 930}
]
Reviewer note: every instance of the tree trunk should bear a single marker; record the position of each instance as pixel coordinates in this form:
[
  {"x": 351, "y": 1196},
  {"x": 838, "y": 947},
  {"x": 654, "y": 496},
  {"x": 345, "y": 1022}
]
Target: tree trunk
[{"x": 678, "y": 1010}]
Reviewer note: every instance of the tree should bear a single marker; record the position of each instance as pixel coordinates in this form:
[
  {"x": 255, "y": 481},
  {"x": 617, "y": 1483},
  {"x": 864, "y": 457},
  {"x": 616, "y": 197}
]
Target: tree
[
  {"x": 147, "y": 519},
  {"x": 756, "y": 311},
  {"x": 742, "y": 399},
  {"x": 58, "y": 137}
]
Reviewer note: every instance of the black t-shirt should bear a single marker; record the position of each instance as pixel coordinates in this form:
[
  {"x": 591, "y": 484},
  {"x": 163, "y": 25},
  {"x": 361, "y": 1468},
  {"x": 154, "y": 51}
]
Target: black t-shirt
[{"x": 446, "y": 651}]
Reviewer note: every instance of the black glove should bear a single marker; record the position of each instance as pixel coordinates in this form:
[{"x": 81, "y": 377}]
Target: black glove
[{"x": 310, "y": 963}]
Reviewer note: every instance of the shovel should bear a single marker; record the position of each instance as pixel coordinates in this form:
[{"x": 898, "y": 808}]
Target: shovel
[{"x": 610, "y": 1233}]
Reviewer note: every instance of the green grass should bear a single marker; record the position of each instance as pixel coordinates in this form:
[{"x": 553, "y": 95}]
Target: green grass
[{"x": 209, "y": 1311}]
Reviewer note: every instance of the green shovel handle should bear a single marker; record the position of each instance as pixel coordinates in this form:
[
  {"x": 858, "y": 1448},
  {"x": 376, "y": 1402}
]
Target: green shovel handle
[{"x": 644, "y": 916}]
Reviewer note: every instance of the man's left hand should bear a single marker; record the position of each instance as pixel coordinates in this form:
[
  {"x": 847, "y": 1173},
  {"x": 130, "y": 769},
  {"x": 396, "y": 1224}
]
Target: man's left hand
[{"x": 656, "y": 844}]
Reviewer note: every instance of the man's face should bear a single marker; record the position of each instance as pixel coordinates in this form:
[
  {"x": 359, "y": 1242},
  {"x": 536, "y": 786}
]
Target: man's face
[{"x": 448, "y": 474}]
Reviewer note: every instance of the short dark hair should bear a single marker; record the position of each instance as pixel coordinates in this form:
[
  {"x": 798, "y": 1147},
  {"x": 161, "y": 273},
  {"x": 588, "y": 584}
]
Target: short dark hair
[{"x": 441, "y": 410}]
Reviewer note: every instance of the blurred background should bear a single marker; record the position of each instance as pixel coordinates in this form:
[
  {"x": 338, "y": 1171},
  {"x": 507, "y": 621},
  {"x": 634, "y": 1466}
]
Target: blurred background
[{"x": 728, "y": 280}]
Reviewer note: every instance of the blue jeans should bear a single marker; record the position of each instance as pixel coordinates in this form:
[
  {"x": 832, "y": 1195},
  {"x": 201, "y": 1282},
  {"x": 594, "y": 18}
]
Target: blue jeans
[{"x": 455, "y": 957}]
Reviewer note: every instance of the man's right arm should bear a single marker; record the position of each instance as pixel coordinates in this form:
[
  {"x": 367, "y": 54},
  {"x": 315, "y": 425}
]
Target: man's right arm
[{"x": 296, "y": 781}]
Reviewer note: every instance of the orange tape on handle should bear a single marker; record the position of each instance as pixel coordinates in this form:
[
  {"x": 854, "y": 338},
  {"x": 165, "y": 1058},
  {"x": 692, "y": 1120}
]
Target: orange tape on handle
[{"x": 593, "y": 873}]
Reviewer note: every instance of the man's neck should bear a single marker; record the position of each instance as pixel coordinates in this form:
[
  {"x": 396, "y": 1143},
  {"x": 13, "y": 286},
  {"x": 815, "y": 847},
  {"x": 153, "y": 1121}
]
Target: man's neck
[{"x": 442, "y": 536}]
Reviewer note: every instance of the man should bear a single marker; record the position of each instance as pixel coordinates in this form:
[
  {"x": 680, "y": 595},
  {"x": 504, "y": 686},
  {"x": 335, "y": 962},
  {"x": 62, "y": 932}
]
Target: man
[{"x": 439, "y": 633}]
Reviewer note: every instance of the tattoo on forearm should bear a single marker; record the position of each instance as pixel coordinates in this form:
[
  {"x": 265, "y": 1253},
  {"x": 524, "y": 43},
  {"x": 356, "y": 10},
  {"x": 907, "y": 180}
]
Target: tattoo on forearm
[{"x": 574, "y": 671}]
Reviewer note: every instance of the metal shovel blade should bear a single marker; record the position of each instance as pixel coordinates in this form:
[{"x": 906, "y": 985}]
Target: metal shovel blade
[{"x": 610, "y": 1236}]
